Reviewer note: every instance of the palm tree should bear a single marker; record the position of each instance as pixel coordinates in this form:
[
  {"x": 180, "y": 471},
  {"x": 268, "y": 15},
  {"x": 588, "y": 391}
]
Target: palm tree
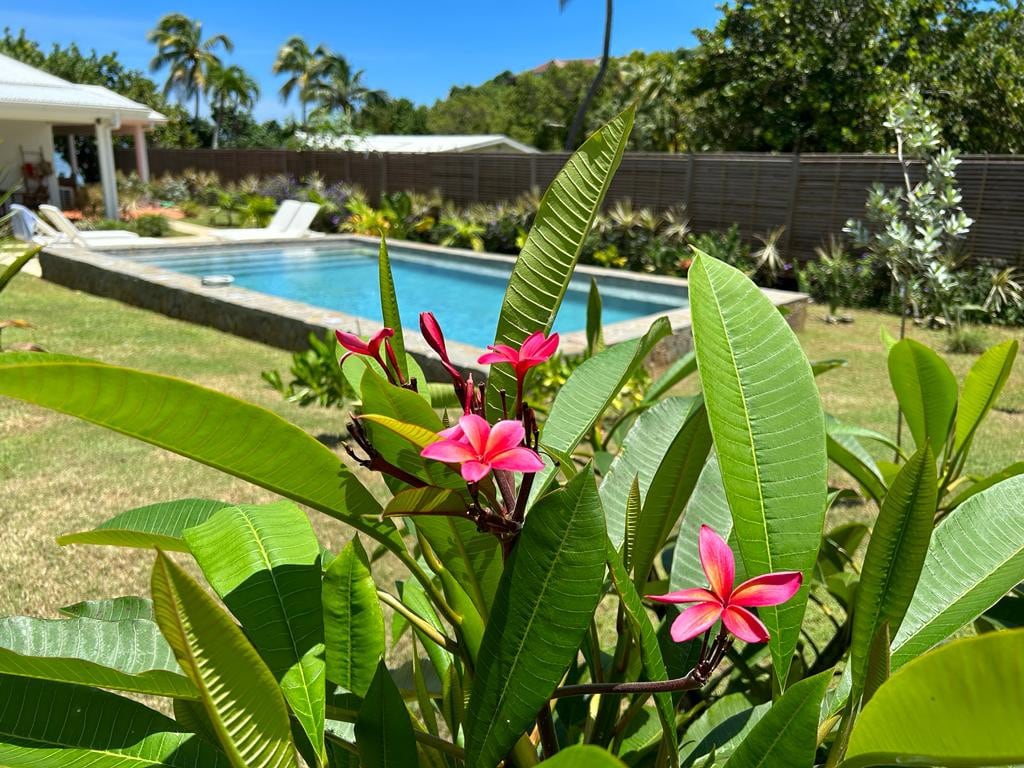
[
  {"x": 295, "y": 58},
  {"x": 571, "y": 138},
  {"x": 189, "y": 58},
  {"x": 229, "y": 87},
  {"x": 338, "y": 87}
]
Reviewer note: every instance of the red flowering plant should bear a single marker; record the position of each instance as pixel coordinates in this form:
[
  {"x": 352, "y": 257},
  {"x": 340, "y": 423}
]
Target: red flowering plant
[{"x": 665, "y": 596}]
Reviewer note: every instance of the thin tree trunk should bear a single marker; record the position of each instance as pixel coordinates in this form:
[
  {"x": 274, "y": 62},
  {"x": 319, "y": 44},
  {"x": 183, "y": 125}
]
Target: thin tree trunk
[
  {"x": 197, "y": 107},
  {"x": 572, "y": 137}
]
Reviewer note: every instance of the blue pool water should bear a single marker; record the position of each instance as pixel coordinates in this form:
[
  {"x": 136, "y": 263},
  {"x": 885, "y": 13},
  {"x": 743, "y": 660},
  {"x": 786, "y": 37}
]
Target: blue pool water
[{"x": 465, "y": 297}]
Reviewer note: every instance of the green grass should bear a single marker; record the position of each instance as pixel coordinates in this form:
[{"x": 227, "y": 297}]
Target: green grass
[{"x": 58, "y": 474}]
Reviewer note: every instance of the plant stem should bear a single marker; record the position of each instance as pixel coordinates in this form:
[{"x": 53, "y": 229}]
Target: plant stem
[
  {"x": 546, "y": 727},
  {"x": 418, "y": 621}
]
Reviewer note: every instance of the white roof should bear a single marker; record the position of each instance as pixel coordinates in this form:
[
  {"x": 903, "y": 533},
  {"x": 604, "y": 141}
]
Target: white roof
[
  {"x": 27, "y": 93},
  {"x": 492, "y": 142}
]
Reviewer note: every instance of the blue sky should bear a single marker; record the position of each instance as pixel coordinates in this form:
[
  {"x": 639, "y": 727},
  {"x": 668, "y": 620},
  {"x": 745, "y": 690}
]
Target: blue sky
[{"x": 408, "y": 47}]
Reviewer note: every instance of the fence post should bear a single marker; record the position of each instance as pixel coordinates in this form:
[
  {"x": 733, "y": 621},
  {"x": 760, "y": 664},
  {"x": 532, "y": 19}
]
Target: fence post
[
  {"x": 533, "y": 172},
  {"x": 794, "y": 198},
  {"x": 383, "y": 173},
  {"x": 690, "y": 165},
  {"x": 476, "y": 178}
]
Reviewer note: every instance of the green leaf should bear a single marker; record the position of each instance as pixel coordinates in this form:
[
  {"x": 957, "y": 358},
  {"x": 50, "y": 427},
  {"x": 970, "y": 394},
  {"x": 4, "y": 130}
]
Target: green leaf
[
  {"x": 895, "y": 555},
  {"x": 389, "y": 307},
  {"x": 683, "y": 367},
  {"x": 787, "y": 734},
  {"x": 114, "y": 609},
  {"x": 595, "y": 337},
  {"x": 707, "y": 506},
  {"x": 237, "y": 690},
  {"x": 156, "y": 525},
  {"x": 17, "y": 265},
  {"x": 233, "y": 436},
  {"x": 650, "y": 652},
  {"x": 926, "y": 391},
  {"x": 982, "y": 387},
  {"x": 383, "y": 729},
  {"x": 850, "y": 456},
  {"x": 353, "y": 620},
  {"x": 55, "y": 725},
  {"x": 639, "y": 458},
  {"x": 670, "y": 490},
  {"x": 549, "y": 589},
  {"x": 472, "y": 557},
  {"x": 721, "y": 729},
  {"x": 960, "y": 705},
  {"x": 1017, "y": 468},
  {"x": 769, "y": 434},
  {"x": 589, "y": 391},
  {"x": 819, "y": 367},
  {"x": 584, "y": 756},
  {"x": 125, "y": 655},
  {"x": 975, "y": 557},
  {"x": 546, "y": 262},
  {"x": 264, "y": 563},
  {"x": 633, "y": 506}
]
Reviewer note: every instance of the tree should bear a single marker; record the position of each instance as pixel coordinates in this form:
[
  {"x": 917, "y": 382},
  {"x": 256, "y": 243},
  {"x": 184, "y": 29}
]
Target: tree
[
  {"x": 295, "y": 58},
  {"x": 229, "y": 88},
  {"x": 572, "y": 138},
  {"x": 392, "y": 116},
  {"x": 338, "y": 88},
  {"x": 188, "y": 57}
]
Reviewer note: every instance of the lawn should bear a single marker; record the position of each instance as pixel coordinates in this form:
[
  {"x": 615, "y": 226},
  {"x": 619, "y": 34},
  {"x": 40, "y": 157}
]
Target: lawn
[{"x": 58, "y": 474}]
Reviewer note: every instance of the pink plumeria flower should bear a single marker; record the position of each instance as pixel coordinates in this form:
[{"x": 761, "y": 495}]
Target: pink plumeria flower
[
  {"x": 478, "y": 448},
  {"x": 721, "y": 601},
  {"x": 431, "y": 331},
  {"x": 371, "y": 348},
  {"x": 534, "y": 350}
]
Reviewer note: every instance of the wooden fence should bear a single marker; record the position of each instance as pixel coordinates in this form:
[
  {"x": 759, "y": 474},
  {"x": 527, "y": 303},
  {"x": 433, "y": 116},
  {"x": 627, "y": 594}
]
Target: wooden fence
[{"x": 812, "y": 195}]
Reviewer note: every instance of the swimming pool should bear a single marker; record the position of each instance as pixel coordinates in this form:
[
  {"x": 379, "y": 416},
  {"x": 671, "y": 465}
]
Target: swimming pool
[{"x": 464, "y": 293}]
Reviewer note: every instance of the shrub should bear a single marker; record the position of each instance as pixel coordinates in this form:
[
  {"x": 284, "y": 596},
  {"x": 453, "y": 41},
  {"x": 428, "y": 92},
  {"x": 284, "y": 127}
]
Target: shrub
[
  {"x": 259, "y": 210},
  {"x": 836, "y": 279},
  {"x": 151, "y": 225},
  {"x": 316, "y": 375},
  {"x": 727, "y": 246},
  {"x": 966, "y": 339}
]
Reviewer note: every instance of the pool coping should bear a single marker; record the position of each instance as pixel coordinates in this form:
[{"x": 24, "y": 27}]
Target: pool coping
[{"x": 286, "y": 323}]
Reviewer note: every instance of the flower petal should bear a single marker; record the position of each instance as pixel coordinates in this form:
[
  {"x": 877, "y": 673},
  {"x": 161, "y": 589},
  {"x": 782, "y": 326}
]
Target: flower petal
[
  {"x": 453, "y": 433},
  {"x": 500, "y": 353},
  {"x": 517, "y": 460},
  {"x": 745, "y": 625},
  {"x": 694, "y": 595},
  {"x": 452, "y": 451},
  {"x": 531, "y": 343},
  {"x": 476, "y": 430},
  {"x": 504, "y": 436},
  {"x": 770, "y": 589},
  {"x": 475, "y": 471},
  {"x": 377, "y": 339},
  {"x": 547, "y": 349},
  {"x": 717, "y": 561},
  {"x": 352, "y": 343},
  {"x": 431, "y": 331},
  {"x": 695, "y": 621}
]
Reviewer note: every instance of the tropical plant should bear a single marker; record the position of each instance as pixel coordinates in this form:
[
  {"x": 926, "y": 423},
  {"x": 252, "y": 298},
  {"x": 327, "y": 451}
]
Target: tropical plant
[
  {"x": 187, "y": 56},
  {"x": 835, "y": 279},
  {"x": 917, "y": 231},
  {"x": 462, "y": 233},
  {"x": 229, "y": 88},
  {"x": 339, "y": 88},
  {"x": 511, "y": 542},
  {"x": 302, "y": 65},
  {"x": 259, "y": 210},
  {"x": 316, "y": 375}
]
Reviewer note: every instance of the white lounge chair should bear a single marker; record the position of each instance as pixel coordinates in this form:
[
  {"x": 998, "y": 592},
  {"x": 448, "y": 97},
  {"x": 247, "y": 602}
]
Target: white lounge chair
[
  {"x": 89, "y": 240},
  {"x": 279, "y": 225},
  {"x": 32, "y": 229}
]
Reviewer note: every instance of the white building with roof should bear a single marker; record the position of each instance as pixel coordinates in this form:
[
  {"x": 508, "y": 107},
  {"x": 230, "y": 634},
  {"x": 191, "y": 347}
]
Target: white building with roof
[
  {"x": 36, "y": 107},
  {"x": 384, "y": 144}
]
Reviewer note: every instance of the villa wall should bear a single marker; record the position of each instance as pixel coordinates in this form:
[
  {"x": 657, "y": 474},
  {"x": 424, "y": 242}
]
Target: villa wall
[{"x": 15, "y": 134}]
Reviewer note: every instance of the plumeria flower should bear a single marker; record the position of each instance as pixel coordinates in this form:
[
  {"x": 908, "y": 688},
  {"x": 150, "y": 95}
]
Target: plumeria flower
[
  {"x": 534, "y": 350},
  {"x": 478, "y": 448},
  {"x": 431, "y": 331},
  {"x": 371, "y": 348},
  {"x": 721, "y": 601}
]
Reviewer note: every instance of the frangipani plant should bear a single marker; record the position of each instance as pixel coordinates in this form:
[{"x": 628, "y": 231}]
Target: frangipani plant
[{"x": 534, "y": 588}]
